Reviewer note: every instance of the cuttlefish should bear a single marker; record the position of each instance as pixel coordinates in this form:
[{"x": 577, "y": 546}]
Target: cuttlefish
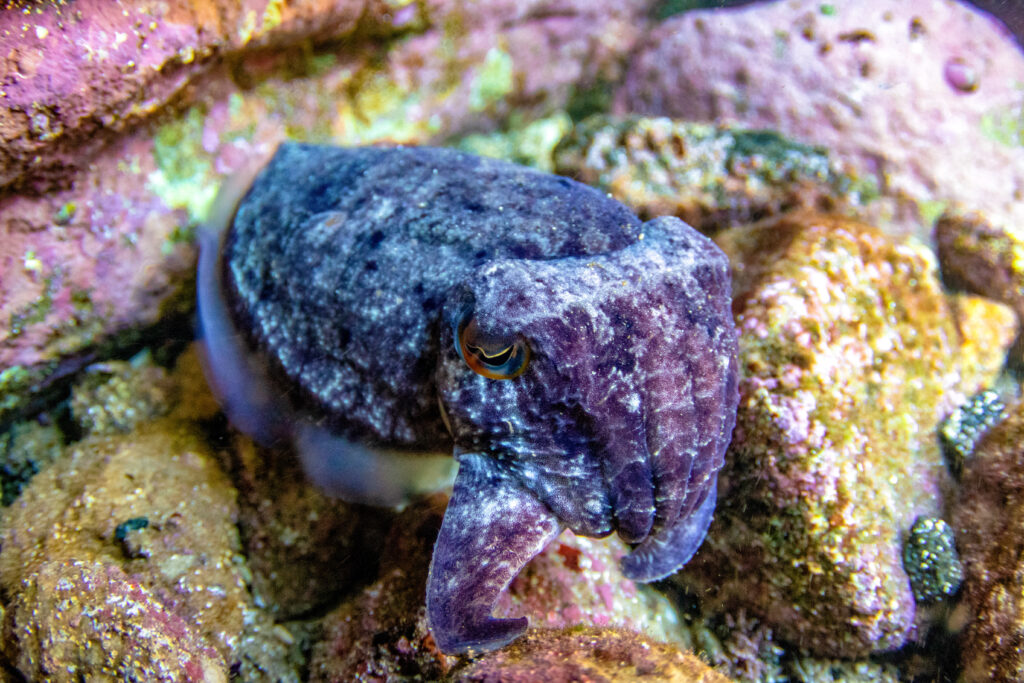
[{"x": 368, "y": 305}]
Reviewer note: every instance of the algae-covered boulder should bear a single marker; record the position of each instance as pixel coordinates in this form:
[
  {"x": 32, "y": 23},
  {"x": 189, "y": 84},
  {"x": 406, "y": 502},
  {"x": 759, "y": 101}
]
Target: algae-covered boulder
[
  {"x": 148, "y": 515},
  {"x": 590, "y": 654},
  {"x": 989, "y": 526},
  {"x": 850, "y": 355},
  {"x": 983, "y": 255},
  {"x": 73, "y": 619},
  {"x": 305, "y": 550},
  {"x": 711, "y": 176},
  {"x": 923, "y": 95}
]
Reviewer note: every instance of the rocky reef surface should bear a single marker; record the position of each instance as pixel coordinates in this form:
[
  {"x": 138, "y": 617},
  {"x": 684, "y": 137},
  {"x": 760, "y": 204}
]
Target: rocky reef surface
[{"x": 870, "y": 204}]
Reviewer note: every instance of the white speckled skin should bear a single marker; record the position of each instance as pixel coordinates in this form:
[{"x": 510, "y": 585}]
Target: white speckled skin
[{"x": 347, "y": 273}]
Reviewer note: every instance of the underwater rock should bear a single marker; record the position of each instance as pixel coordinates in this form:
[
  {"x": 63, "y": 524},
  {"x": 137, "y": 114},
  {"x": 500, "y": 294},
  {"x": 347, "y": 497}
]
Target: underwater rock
[
  {"x": 116, "y": 396},
  {"x": 74, "y": 620},
  {"x": 304, "y": 549},
  {"x": 965, "y": 426},
  {"x": 746, "y": 649},
  {"x": 383, "y": 631},
  {"x": 476, "y": 61},
  {"x": 810, "y": 670},
  {"x": 151, "y": 505},
  {"x": 25, "y": 449},
  {"x": 710, "y": 176},
  {"x": 982, "y": 255},
  {"x": 587, "y": 654},
  {"x": 85, "y": 265},
  {"x": 60, "y": 107},
  {"x": 107, "y": 248},
  {"x": 850, "y": 357},
  {"x": 838, "y": 75},
  {"x": 578, "y": 581},
  {"x": 931, "y": 561},
  {"x": 989, "y": 525}
]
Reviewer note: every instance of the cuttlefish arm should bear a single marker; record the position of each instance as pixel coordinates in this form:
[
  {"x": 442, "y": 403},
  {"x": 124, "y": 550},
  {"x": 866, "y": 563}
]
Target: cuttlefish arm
[
  {"x": 664, "y": 553},
  {"x": 491, "y": 529}
]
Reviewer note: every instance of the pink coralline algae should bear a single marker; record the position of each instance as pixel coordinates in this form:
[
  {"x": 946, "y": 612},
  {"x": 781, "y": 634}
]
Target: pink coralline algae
[
  {"x": 836, "y": 453},
  {"x": 83, "y": 616},
  {"x": 923, "y": 95}
]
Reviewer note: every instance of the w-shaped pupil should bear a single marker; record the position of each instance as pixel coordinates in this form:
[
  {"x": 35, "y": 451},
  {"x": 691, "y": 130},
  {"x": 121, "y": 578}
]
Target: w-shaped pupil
[{"x": 493, "y": 359}]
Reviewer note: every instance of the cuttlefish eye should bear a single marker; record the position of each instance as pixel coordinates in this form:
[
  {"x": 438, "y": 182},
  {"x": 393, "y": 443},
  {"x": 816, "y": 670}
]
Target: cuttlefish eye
[{"x": 492, "y": 357}]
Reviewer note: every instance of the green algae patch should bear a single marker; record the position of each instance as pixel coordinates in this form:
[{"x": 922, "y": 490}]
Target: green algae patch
[
  {"x": 1005, "y": 126},
  {"x": 272, "y": 15},
  {"x": 380, "y": 110},
  {"x": 532, "y": 144},
  {"x": 591, "y": 100},
  {"x": 65, "y": 213},
  {"x": 184, "y": 178},
  {"x": 36, "y": 311},
  {"x": 20, "y": 386},
  {"x": 494, "y": 81},
  {"x": 707, "y": 175},
  {"x": 15, "y": 382},
  {"x": 931, "y": 209}
]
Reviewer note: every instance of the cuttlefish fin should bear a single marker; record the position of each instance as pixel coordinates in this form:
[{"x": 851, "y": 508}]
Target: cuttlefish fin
[
  {"x": 357, "y": 473},
  {"x": 237, "y": 377},
  {"x": 665, "y": 551},
  {"x": 491, "y": 529}
]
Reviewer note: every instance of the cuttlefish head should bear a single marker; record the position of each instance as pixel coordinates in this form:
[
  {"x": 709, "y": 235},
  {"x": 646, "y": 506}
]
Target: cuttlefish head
[{"x": 593, "y": 392}]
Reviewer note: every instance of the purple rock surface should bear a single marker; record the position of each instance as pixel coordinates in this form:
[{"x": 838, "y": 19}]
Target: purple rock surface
[{"x": 923, "y": 94}]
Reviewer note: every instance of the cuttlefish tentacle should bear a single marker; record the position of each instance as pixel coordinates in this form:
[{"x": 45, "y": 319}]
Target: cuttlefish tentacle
[{"x": 491, "y": 529}]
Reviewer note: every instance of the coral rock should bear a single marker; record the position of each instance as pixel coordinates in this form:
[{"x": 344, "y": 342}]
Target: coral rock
[
  {"x": 982, "y": 255},
  {"x": 154, "y": 505},
  {"x": 835, "y": 452},
  {"x": 578, "y": 581},
  {"x": 136, "y": 59},
  {"x": 710, "y": 176},
  {"x": 76, "y": 619},
  {"x": 922, "y": 94},
  {"x": 304, "y": 548},
  {"x": 989, "y": 526},
  {"x": 574, "y": 582},
  {"x": 587, "y": 654},
  {"x": 382, "y": 632},
  {"x": 118, "y": 395}
]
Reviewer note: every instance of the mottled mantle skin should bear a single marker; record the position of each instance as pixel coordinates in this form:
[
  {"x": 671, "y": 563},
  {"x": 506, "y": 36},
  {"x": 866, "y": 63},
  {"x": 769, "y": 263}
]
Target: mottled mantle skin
[{"x": 348, "y": 272}]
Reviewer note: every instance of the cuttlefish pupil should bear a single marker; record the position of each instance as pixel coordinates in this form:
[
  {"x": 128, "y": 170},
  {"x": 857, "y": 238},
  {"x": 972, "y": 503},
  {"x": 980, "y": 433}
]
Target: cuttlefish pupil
[{"x": 497, "y": 359}]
